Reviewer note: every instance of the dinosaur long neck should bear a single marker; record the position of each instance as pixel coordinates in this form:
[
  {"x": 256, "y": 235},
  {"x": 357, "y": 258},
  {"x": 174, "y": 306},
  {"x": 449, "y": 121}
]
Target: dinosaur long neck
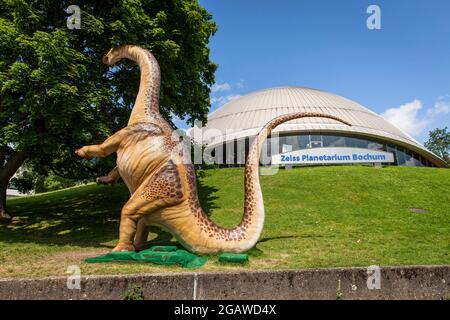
[
  {"x": 211, "y": 237},
  {"x": 147, "y": 100}
]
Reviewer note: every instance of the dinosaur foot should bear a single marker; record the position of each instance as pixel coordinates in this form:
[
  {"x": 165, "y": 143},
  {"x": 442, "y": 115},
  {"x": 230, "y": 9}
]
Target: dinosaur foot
[
  {"x": 105, "y": 180},
  {"x": 123, "y": 247},
  {"x": 82, "y": 153},
  {"x": 141, "y": 246},
  {"x": 4, "y": 216}
]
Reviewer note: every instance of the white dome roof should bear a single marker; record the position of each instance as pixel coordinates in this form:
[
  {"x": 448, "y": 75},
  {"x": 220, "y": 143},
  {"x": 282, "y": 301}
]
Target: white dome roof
[{"x": 246, "y": 115}]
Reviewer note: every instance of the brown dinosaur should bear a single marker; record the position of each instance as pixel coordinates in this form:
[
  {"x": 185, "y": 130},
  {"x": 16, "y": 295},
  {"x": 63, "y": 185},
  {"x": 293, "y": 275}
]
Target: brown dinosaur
[{"x": 161, "y": 180}]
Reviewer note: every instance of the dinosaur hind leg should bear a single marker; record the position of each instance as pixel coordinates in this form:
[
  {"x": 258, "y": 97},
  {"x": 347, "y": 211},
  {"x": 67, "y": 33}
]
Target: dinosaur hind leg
[
  {"x": 164, "y": 189},
  {"x": 128, "y": 224},
  {"x": 140, "y": 239},
  {"x": 112, "y": 177},
  {"x": 132, "y": 213}
]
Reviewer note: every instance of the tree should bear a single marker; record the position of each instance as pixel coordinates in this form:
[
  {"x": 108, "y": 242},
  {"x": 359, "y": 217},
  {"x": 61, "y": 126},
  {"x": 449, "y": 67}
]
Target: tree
[
  {"x": 439, "y": 143},
  {"x": 57, "y": 96},
  {"x": 25, "y": 180}
]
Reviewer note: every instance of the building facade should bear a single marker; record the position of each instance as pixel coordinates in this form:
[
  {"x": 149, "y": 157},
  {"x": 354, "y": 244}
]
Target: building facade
[{"x": 309, "y": 141}]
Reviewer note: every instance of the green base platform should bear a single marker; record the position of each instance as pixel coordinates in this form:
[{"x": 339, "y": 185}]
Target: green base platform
[
  {"x": 233, "y": 258},
  {"x": 164, "y": 255}
]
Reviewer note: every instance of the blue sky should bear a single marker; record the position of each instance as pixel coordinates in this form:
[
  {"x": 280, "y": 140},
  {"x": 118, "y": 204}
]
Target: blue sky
[{"x": 325, "y": 44}]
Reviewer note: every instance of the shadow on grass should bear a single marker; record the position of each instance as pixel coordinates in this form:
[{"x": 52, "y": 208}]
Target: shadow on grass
[
  {"x": 256, "y": 252},
  {"x": 206, "y": 193},
  {"x": 86, "y": 217},
  {"x": 276, "y": 238}
]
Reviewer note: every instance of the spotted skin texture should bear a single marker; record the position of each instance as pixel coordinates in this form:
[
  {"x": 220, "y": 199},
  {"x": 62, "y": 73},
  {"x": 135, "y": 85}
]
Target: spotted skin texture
[
  {"x": 165, "y": 186},
  {"x": 157, "y": 170}
]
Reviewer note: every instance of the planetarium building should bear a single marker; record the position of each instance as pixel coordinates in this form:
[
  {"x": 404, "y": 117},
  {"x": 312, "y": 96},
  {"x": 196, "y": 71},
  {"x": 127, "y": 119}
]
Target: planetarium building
[{"x": 308, "y": 141}]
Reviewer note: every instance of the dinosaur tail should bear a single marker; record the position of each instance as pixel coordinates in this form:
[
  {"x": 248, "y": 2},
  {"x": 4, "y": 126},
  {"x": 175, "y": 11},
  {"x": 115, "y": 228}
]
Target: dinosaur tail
[
  {"x": 253, "y": 218},
  {"x": 198, "y": 233}
]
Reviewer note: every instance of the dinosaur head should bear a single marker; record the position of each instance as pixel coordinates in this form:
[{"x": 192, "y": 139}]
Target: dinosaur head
[{"x": 114, "y": 55}]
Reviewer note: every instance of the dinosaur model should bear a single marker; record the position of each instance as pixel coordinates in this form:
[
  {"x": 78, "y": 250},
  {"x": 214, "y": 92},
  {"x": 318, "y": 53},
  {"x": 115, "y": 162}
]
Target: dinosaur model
[{"x": 161, "y": 178}]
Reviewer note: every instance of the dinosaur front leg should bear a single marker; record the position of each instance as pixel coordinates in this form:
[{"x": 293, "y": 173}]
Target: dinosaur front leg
[
  {"x": 109, "y": 146},
  {"x": 89, "y": 152}
]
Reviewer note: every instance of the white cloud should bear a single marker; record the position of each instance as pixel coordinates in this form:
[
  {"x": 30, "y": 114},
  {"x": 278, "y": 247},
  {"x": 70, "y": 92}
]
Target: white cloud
[
  {"x": 406, "y": 118},
  {"x": 218, "y": 95},
  {"x": 220, "y": 87},
  {"x": 232, "y": 97},
  {"x": 220, "y": 101},
  {"x": 444, "y": 97},
  {"x": 440, "y": 107}
]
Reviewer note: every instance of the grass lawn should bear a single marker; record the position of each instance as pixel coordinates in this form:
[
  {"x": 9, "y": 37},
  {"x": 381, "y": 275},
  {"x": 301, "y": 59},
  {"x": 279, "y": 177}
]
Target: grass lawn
[{"x": 315, "y": 217}]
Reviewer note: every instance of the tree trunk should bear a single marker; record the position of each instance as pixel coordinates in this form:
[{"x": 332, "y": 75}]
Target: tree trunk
[
  {"x": 6, "y": 173},
  {"x": 3, "y": 214}
]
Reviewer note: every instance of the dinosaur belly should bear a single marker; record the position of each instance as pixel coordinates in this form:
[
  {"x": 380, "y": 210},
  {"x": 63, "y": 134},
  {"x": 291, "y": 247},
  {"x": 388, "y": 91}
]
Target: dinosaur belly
[{"x": 136, "y": 160}]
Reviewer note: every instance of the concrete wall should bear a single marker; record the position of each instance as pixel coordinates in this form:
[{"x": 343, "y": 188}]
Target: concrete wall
[{"x": 422, "y": 282}]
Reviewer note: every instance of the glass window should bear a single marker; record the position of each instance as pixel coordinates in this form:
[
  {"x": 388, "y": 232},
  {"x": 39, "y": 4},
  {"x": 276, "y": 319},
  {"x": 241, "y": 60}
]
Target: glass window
[
  {"x": 218, "y": 154},
  {"x": 401, "y": 157},
  {"x": 230, "y": 153},
  {"x": 281, "y": 140},
  {"x": 266, "y": 146},
  {"x": 391, "y": 148},
  {"x": 409, "y": 160},
  {"x": 361, "y": 143},
  {"x": 350, "y": 142},
  {"x": 316, "y": 141},
  {"x": 303, "y": 141},
  {"x": 333, "y": 141},
  {"x": 266, "y": 153},
  {"x": 374, "y": 146},
  {"x": 417, "y": 160},
  {"x": 293, "y": 141},
  {"x": 425, "y": 162},
  {"x": 240, "y": 151}
]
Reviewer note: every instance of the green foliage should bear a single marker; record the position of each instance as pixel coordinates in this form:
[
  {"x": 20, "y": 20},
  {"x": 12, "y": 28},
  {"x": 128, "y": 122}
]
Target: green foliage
[
  {"x": 23, "y": 183},
  {"x": 56, "y": 95},
  {"x": 439, "y": 143},
  {"x": 52, "y": 182},
  {"x": 27, "y": 180}
]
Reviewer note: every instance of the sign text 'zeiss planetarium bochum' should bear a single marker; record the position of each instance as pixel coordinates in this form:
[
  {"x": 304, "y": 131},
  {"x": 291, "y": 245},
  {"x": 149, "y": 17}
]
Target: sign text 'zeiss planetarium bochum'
[{"x": 332, "y": 156}]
